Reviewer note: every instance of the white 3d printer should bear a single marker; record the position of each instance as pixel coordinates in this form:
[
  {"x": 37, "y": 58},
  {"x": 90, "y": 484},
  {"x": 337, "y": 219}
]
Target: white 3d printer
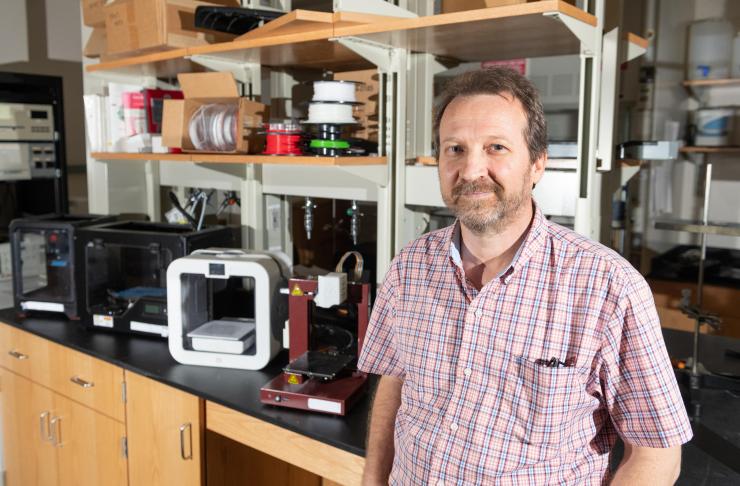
[{"x": 225, "y": 307}]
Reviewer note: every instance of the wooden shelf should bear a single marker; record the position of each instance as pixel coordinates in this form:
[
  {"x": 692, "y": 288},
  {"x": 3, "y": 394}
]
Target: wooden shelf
[
  {"x": 689, "y": 226},
  {"x": 710, "y": 150},
  {"x": 166, "y": 64},
  {"x": 515, "y": 31},
  {"x": 633, "y": 38},
  {"x": 245, "y": 159},
  {"x": 706, "y": 83},
  {"x": 302, "y": 38},
  {"x": 139, "y": 156}
]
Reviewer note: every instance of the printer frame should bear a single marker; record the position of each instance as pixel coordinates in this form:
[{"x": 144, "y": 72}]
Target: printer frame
[
  {"x": 64, "y": 229},
  {"x": 145, "y": 315}
]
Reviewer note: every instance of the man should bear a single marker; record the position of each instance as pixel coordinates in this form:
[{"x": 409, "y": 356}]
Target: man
[{"x": 513, "y": 350}]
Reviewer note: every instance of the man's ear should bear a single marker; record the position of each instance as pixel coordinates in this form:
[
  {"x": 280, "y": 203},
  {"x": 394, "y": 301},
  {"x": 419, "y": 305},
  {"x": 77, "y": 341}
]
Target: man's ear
[{"x": 538, "y": 169}]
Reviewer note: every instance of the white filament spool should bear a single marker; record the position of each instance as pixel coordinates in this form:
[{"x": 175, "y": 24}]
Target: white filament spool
[
  {"x": 213, "y": 127},
  {"x": 334, "y": 91},
  {"x": 330, "y": 113}
]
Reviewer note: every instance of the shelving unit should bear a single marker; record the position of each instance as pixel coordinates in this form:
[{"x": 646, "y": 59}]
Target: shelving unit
[
  {"x": 694, "y": 83},
  {"x": 243, "y": 159},
  {"x": 698, "y": 227},
  {"x": 709, "y": 150},
  {"x": 353, "y": 40}
]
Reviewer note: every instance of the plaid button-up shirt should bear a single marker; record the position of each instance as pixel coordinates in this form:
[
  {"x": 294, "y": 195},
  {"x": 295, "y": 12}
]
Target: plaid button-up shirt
[{"x": 476, "y": 405}]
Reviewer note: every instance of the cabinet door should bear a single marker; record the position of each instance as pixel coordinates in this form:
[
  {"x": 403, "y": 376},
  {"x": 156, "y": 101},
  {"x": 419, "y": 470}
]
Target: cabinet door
[
  {"x": 90, "y": 447},
  {"x": 165, "y": 434},
  {"x": 30, "y": 457}
]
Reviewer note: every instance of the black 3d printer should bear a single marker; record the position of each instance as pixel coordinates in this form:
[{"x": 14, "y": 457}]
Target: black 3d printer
[
  {"x": 126, "y": 271},
  {"x": 47, "y": 270}
]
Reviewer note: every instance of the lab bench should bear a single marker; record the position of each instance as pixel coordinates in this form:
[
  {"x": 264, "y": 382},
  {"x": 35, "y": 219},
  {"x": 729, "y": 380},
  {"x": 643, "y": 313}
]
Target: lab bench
[
  {"x": 188, "y": 425},
  {"x": 143, "y": 418}
]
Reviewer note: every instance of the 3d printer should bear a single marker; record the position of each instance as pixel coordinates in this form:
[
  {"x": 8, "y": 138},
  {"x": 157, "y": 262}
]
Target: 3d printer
[
  {"x": 47, "y": 270},
  {"x": 225, "y": 307},
  {"x": 328, "y": 318},
  {"x": 126, "y": 271}
]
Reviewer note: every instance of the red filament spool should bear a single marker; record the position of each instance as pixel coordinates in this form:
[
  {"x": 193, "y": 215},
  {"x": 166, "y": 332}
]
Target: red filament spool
[{"x": 283, "y": 139}]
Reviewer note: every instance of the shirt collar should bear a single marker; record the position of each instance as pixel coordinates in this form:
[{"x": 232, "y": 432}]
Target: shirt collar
[{"x": 532, "y": 243}]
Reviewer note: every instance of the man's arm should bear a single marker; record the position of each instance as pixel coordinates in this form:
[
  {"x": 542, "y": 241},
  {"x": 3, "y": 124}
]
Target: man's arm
[
  {"x": 648, "y": 466},
  {"x": 379, "y": 455}
]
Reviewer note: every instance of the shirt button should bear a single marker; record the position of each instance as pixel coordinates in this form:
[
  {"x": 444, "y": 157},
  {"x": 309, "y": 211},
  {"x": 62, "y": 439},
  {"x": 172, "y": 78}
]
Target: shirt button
[
  {"x": 467, "y": 372},
  {"x": 453, "y": 426}
]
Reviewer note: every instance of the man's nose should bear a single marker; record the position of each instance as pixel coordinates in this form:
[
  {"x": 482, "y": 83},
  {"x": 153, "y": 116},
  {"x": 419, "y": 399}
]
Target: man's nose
[{"x": 474, "y": 166}]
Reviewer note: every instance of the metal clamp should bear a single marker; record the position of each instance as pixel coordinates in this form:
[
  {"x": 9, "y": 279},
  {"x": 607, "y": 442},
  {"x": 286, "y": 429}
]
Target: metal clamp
[
  {"x": 79, "y": 381},
  {"x": 189, "y": 455},
  {"x": 55, "y": 428},
  {"x": 18, "y": 355},
  {"x": 44, "y": 422}
]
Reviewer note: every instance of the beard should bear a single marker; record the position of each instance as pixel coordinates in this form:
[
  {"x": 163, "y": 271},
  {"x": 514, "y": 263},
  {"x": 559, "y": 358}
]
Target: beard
[{"x": 490, "y": 214}]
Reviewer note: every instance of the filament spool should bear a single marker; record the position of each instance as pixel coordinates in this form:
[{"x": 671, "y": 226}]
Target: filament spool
[
  {"x": 343, "y": 91},
  {"x": 329, "y": 148},
  {"x": 283, "y": 139},
  {"x": 214, "y": 127},
  {"x": 334, "y": 113}
]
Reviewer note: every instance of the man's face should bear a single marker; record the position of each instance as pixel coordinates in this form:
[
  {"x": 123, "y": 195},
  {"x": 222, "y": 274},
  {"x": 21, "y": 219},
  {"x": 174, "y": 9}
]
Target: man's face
[{"x": 485, "y": 171}]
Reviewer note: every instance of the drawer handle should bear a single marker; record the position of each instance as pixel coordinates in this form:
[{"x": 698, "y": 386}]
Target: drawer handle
[
  {"x": 44, "y": 428},
  {"x": 189, "y": 428},
  {"x": 56, "y": 431},
  {"x": 79, "y": 381},
  {"x": 18, "y": 355}
]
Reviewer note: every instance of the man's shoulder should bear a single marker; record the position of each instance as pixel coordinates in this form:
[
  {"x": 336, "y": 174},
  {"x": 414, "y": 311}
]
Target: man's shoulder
[
  {"x": 429, "y": 245},
  {"x": 576, "y": 249}
]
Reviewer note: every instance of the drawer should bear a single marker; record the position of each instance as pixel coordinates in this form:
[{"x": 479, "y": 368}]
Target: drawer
[
  {"x": 89, "y": 381},
  {"x": 25, "y": 354}
]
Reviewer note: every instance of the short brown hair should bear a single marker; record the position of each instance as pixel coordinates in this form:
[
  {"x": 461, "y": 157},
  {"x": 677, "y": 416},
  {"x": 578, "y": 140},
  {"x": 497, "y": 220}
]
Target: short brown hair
[{"x": 495, "y": 81}]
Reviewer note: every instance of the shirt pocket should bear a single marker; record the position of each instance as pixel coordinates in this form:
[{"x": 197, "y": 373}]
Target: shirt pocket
[{"x": 541, "y": 406}]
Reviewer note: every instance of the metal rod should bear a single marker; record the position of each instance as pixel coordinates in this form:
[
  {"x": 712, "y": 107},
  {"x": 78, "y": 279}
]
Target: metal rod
[{"x": 702, "y": 261}]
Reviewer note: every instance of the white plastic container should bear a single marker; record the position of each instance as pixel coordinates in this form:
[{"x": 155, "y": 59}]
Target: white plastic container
[
  {"x": 714, "y": 126},
  {"x": 710, "y": 49},
  {"x": 736, "y": 57}
]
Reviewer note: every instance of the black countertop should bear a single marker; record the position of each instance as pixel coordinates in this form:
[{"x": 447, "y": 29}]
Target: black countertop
[
  {"x": 239, "y": 390},
  {"x": 235, "y": 389}
]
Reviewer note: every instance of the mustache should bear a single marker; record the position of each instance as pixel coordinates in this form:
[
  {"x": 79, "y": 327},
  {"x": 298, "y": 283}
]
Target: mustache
[{"x": 465, "y": 188}]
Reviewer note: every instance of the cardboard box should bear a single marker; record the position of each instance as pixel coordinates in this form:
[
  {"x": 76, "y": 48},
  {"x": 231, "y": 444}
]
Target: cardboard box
[
  {"x": 204, "y": 88},
  {"x": 96, "y": 45},
  {"x": 366, "y": 93},
  {"x": 459, "y": 5},
  {"x": 137, "y": 26},
  {"x": 93, "y": 14}
]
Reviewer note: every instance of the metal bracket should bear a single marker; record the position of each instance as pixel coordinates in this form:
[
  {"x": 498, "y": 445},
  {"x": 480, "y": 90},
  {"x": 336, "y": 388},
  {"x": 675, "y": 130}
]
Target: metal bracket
[
  {"x": 381, "y": 55},
  {"x": 631, "y": 51},
  {"x": 628, "y": 172},
  {"x": 373, "y": 7},
  {"x": 377, "y": 174},
  {"x": 584, "y": 32},
  {"x": 245, "y": 72},
  {"x": 609, "y": 95}
]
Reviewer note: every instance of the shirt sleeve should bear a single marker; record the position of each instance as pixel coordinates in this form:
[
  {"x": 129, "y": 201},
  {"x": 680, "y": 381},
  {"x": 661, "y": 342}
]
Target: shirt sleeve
[
  {"x": 638, "y": 381},
  {"x": 379, "y": 354}
]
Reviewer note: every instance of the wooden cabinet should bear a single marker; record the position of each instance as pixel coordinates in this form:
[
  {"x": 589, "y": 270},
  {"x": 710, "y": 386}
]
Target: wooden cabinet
[
  {"x": 30, "y": 456},
  {"x": 53, "y": 441},
  {"x": 165, "y": 434},
  {"x": 90, "y": 446}
]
